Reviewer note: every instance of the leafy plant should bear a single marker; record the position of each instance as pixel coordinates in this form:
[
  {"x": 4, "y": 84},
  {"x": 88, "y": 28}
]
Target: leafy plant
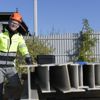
[
  {"x": 86, "y": 43},
  {"x": 35, "y": 47}
]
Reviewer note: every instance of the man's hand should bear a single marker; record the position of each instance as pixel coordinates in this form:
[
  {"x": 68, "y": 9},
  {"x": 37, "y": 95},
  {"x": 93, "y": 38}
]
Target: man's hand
[{"x": 29, "y": 60}]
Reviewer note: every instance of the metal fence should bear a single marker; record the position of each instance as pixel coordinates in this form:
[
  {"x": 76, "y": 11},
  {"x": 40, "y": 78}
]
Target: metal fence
[{"x": 64, "y": 45}]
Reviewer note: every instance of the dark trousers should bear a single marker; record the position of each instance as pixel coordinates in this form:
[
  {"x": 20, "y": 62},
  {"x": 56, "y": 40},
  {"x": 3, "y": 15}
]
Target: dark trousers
[{"x": 1, "y": 91}]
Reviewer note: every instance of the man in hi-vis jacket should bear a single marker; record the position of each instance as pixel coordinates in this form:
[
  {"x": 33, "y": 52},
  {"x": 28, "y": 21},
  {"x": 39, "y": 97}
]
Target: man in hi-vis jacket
[{"x": 12, "y": 41}]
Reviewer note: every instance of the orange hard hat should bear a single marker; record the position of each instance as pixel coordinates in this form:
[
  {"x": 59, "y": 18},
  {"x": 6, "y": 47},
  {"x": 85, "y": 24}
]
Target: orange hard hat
[{"x": 16, "y": 16}]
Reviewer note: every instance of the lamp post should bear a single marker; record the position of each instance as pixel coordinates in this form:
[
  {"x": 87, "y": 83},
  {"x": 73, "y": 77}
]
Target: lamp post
[{"x": 35, "y": 18}]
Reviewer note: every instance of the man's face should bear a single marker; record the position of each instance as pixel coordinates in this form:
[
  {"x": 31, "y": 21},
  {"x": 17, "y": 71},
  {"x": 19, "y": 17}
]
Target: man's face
[{"x": 13, "y": 25}]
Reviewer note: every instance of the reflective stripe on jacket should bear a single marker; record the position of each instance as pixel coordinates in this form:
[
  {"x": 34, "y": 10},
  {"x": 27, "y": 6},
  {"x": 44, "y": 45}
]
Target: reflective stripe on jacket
[{"x": 9, "y": 48}]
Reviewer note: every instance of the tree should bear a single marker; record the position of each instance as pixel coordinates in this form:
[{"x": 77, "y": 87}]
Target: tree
[
  {"x": 35, "y": 47},
  {"x": 86, "y": 43}
]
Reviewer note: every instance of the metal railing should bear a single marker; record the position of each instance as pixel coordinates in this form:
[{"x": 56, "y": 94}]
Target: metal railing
[{"x": 64, "y": 45}]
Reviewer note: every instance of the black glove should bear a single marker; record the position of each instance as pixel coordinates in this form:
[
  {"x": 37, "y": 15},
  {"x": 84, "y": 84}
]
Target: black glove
[{"x": 29, "y": 60}]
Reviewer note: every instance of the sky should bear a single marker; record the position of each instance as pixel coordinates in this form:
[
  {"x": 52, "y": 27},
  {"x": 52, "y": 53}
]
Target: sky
[{"x": 58, "y": 16}]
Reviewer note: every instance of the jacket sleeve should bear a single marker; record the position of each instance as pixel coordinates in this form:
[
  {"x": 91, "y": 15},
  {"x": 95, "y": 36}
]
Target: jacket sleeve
[{"x": 22, "y": 46}]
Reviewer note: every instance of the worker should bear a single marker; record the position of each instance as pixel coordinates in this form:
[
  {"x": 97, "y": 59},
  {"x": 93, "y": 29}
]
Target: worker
[{"x": 12, "y": 41}]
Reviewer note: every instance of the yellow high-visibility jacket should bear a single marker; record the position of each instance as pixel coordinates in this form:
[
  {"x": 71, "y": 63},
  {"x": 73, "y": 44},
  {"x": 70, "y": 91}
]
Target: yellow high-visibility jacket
[{"x": 9, "y": 47}]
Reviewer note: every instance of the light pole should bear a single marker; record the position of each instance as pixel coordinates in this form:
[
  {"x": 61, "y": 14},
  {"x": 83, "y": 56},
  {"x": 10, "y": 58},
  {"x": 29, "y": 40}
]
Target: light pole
[{"x": 35, "y": 18}]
